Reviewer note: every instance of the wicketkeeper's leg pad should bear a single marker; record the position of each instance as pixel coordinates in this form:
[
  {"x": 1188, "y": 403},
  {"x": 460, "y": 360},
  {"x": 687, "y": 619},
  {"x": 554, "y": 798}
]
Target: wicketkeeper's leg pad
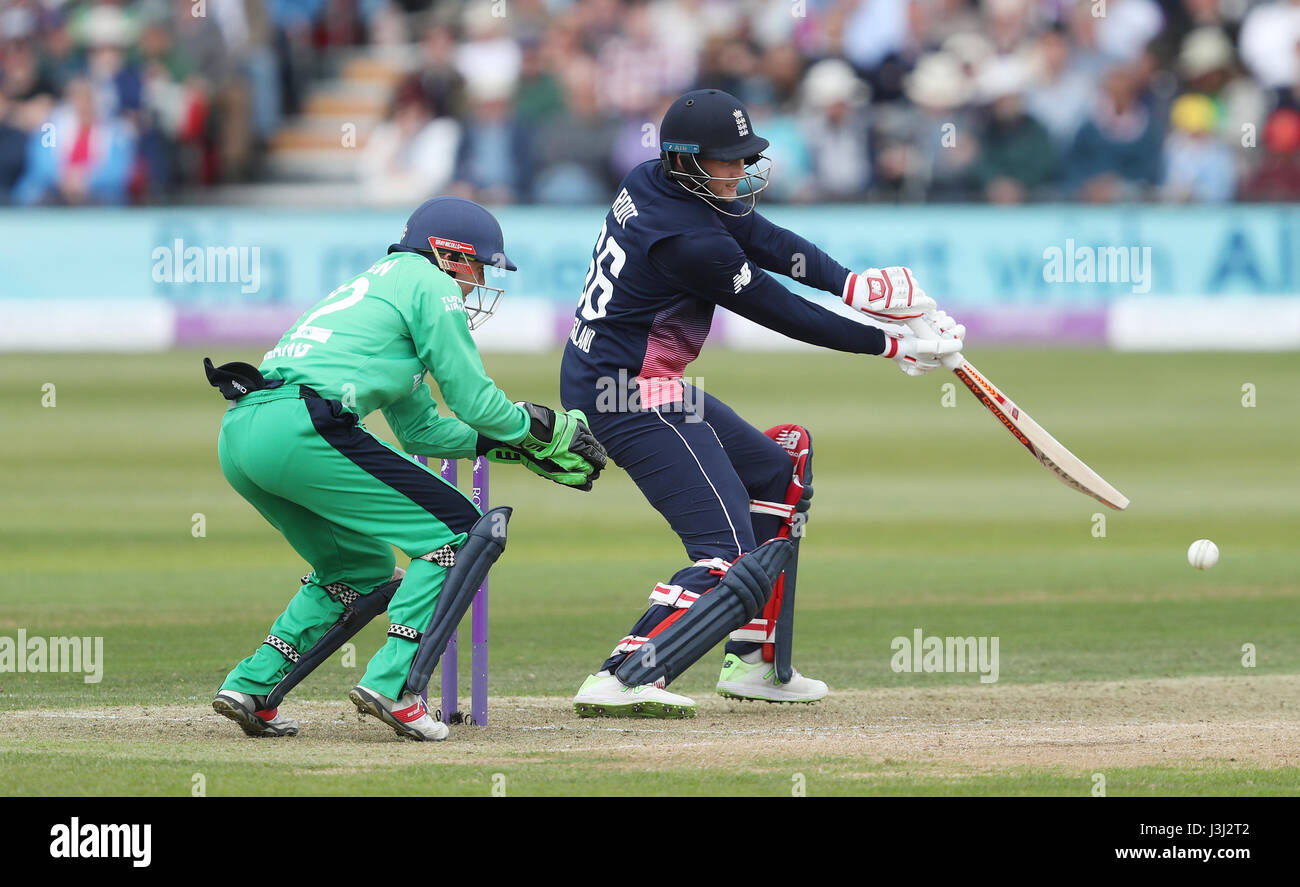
[
  {"x": 679, "y": 642},
  {"x": 358, "y": 610},
  {"x": 485, "y": 543}
]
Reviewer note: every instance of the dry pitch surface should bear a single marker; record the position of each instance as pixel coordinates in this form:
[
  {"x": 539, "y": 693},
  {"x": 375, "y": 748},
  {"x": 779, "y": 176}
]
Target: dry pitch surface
[{"x": 1184, "y": 722}]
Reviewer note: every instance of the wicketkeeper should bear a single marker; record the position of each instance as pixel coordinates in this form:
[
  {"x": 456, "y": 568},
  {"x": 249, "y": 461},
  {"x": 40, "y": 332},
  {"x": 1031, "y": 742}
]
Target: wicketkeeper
[{"x": 293, "y": 445}]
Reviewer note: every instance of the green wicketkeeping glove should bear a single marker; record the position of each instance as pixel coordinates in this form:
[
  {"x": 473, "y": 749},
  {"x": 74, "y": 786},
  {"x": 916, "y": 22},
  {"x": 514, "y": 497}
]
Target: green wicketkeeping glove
[
  {"x": 551, "y": 435},
  {"x": 558, "y": 446},
  {"x": 579, "y": 475}
]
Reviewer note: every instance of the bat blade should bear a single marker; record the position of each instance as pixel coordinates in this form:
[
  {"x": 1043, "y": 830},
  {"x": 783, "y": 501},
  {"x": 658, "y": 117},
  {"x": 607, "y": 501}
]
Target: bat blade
[{"x": 1068, "y": 468}]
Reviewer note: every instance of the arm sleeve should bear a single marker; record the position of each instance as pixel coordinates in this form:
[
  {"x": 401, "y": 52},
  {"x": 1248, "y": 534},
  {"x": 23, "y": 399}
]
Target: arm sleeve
[
  {"x": 442, "y": 341},
  {"x": 422, "y": 432},
  {"x": 714, "y": 268},
  {"x": 781, "y": 251}
]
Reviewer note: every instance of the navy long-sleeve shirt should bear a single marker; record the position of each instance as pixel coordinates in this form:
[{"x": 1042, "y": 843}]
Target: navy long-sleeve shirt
[{"x": 663, "y": 261}]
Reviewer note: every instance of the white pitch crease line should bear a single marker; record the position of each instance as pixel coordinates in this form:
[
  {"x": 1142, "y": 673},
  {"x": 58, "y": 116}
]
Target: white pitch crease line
[
  {"x": 769, "y": 731},
  {"x": 188, "y": 720}
]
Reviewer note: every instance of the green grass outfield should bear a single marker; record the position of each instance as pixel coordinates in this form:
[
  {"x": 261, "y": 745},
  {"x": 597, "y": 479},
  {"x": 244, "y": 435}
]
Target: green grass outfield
[{"x": 926, "y": 516}]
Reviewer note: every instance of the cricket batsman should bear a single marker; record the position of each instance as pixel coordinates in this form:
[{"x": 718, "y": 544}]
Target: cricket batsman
[
  {"x": 293, "y": 445},
  {"x": 682, "y": 238}
]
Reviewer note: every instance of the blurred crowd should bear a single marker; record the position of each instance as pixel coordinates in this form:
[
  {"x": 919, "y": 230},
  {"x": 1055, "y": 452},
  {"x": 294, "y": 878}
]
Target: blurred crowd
[
  {"x": 114, "y": 101},
  {"x": 553, "y": 101}
]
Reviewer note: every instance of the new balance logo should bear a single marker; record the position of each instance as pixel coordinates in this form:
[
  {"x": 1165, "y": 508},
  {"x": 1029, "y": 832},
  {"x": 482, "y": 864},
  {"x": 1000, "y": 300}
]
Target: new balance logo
[
  {"x": 742, "y": 125},
  {"x": 741, "y": 280}
]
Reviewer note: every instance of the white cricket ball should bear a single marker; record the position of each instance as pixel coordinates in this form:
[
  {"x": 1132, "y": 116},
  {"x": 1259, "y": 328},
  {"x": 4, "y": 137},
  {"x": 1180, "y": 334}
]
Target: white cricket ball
[{"x": 1203, "y": 554}]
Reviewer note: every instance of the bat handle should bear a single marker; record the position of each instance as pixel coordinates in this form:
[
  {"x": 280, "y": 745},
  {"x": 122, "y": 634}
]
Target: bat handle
[{"x": 923, "y": 331}]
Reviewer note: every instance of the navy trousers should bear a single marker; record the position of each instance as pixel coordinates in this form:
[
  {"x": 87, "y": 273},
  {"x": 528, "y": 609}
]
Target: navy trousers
[{"x": 699, "y": 464}]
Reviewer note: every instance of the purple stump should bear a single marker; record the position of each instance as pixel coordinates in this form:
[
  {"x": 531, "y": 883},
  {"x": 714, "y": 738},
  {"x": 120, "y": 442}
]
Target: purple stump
[
  {"x": 479, "y": 665},
  {"x": 424, "y": 694},
  {"x": 450, "y": 656}
]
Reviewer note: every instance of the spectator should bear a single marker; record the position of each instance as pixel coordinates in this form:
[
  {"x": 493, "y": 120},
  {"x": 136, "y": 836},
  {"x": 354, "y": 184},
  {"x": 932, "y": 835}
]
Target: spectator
[
  {"x": 835, "y": 130},
  {"x": 1278, "y": 177},
  {"x": 1116, "y": 155},
  {"x": 1198, "y": 167},
  {"x": 495, "y": 161},
  {"x": 790, "y": 152},
  {"x": 13, "y": 146},
  {"x": 439, "y": 82},
  {"x": 411, "y": 155},
  {"x": 21, "y": 74},
  {"x": 929, "y": 147},
  {"x": 293, "y": 23},
  {"x": 1008, "y": 23},
  {"x": 201, "y": 93},
  {"x": 1290, "y": 97},
  {"x": 1086, "y": 52},
  {"x": 107, "y": 33},
  {"x": 972, "y": 50},
  {"x": 874, "y": 30},
  {"x": 783, "y": 67},
  {"x": 1207, "y": 65},
  {"x": 770, "y": 24},
  {"x": 636, "y": 72},
  {"x": 487, "y": 51},
  {"x": 938, "y": 21},
  {"x": 85, "y": 158},
  {"x": 60, "y": 60},
  {"x": 636, "y": 139},
  {"x": 1061, "y": 90},
  {"x": 1268, "y": 39},
  {"x": 540, "y": 95},
  {"x": 574, "y": 147},
  {"x": 1127, "y": 27},
  {"x": 1016, "y": 155},
  {"x": 730, "y": 65}
]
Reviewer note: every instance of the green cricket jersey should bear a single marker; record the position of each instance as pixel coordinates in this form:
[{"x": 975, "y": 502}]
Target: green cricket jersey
[{"x": 369, "y": 343}]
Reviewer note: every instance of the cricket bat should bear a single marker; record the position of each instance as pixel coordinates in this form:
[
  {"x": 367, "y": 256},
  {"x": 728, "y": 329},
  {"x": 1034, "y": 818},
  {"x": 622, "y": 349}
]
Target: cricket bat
[{"x": 1068, "y": 468}]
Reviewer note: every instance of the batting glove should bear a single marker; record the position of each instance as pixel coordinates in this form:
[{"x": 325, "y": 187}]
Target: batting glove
[
  {"x": 887, "y": 294},
  {"x": 916, "y": 356}
]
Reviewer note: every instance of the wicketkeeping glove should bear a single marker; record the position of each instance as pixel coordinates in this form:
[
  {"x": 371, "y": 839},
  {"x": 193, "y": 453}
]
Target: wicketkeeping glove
[
  {"x": 558, "y": 446},
  {"x": 579, "y": 479}
]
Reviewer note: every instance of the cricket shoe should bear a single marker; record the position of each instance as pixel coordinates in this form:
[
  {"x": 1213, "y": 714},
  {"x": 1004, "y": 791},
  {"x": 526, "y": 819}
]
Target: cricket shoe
[
  {"x": 251, "y": 714},
  {"x": 757, "y": 681},
  {"x": 408, "y": 716},
  {"x": 605, "y": 696}
]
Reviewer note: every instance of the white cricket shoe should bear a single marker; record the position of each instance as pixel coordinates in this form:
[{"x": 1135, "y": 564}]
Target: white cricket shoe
[
  {"x": 251, "y": 714},
  {"x": 757, "y": 681},
  {"x": 408, "y": 716},
  {"x": 605, "y": 696}
]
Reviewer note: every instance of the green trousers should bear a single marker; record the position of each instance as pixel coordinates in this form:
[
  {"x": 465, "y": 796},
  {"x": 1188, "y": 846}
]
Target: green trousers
[{"x": 342, "y": 498}]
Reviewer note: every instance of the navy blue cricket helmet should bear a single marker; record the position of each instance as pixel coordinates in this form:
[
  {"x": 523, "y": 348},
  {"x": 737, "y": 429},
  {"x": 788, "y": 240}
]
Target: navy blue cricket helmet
[
  {"x": 452, "y": 232},
  {"x": 456, "y": 225},
  {"x": 713, "y": 125}
]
